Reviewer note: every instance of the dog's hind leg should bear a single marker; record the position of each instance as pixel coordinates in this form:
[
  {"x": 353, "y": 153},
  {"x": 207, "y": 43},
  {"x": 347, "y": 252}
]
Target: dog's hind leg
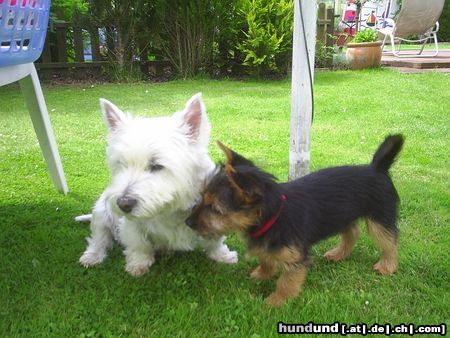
[
  {"x": 101, "y": 239},
  {"x": 387, "y": 240},
  {"x": 218, "y": 251},
  {"x": 348, "y": 239}
]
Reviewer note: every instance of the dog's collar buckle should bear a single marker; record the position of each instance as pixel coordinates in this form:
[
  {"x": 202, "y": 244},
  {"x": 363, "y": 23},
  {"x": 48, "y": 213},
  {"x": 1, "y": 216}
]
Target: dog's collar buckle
[{"x": 271, "y": 221}]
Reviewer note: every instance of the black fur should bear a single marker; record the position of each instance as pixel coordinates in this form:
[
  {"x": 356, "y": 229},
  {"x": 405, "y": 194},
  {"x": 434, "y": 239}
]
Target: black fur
[{"x": 323, "y": 203}]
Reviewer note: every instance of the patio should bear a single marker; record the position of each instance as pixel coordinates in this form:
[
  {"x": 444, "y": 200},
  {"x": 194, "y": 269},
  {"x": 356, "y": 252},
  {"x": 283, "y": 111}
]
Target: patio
[{"x": 413, "y": 64}]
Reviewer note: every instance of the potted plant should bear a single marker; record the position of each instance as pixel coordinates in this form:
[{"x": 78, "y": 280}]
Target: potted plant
[{"x": 365, "y": 50}]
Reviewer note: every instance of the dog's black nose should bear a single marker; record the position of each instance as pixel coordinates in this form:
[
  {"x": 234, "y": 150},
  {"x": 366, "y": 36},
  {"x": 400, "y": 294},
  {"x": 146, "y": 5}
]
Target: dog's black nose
[
  {"x": 126, "y": 203},
  {"x": 189, "y": 222}
]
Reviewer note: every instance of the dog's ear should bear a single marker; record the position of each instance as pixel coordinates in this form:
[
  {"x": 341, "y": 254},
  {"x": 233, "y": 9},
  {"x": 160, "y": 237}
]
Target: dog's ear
[
  {"x": 233, "y": 158},
  {"x": 195, "y": 121},
  {"x": 113, "y": 115},
  {"x": 247, "y": 188}
]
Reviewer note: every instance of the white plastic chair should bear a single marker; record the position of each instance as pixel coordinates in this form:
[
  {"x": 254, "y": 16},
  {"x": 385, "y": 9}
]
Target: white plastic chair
[
  {"x": 23, "y": 26},
  {"x": 416, "y": 17}
]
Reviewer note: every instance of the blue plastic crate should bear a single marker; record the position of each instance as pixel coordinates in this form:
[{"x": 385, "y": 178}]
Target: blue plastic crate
[{"x": 23, "y": 27}]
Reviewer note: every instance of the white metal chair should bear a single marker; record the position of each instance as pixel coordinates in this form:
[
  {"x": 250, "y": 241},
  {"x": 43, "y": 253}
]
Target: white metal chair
[
  {"x": 416, "y": 17},
  {"x": 23, "y": 26}
]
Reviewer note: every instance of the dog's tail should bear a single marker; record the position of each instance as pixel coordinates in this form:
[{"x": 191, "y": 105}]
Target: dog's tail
[
  {"x": 387, "y": 152},
  {"x": 83, "y": 218}
]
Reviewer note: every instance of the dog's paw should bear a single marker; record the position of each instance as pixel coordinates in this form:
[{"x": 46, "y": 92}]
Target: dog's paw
[
  {"x": 89, "y": 259},
  {"x": 139, "y": 265},
  {"x": 137, "y": 270},
  {"x": 224, "y": 255},
  {"x": 385, "y": 268},
  {"x": 275, "y": 300},
  {"x": 335, "y": 255}
]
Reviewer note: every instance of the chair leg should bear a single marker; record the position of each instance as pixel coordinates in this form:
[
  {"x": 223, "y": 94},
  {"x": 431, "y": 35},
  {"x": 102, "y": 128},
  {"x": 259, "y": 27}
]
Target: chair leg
[
  {"x": 384, "y": 43},
  {"x": 32, "y": 92},
  {"x": 423, "y": 47},
  {"x": 436, "y": 44},
  {"x": 420, "y": 53},
  {"x": 394, "y": 50}
]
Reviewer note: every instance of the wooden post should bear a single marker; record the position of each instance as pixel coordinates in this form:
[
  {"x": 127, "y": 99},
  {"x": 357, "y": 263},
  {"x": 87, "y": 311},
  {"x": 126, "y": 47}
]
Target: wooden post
[
  {"x": 330, "y": 28},
  {"x": 46, "y": 53},
  {"x": 325, "y": 25},
  {"x": 143, "y": 54},
  {"x": 78, "y": 43},
  {"x": 95, "y": 43},
  {"x": 61, "y": 38},
  {"x": 322, "y": 23},
  {"x": 301, "y": 98}
]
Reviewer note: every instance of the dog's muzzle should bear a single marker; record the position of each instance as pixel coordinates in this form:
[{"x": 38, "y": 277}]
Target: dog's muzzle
[{"x": 126, "y": 203}]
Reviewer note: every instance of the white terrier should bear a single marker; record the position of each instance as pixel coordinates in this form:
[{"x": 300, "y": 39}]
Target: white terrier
[{"x": 158, "y": 166}]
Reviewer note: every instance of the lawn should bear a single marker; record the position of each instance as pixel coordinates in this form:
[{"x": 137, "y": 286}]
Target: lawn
[{"x": 44, "y": 291}]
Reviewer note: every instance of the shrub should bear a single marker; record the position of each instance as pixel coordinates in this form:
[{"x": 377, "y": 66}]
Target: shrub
[
  {"x": 323, "y": 55},
  {"x": 265, "y": 41},
  {"x": 444, "y": 23},
  {"x": 189, "y": 32},
  {"x": 366, "y": 35}
]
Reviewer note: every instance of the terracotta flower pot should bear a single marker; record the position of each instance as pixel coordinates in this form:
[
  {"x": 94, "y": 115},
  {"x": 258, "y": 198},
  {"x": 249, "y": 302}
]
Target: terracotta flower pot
[{"x": 364, "y": 55}]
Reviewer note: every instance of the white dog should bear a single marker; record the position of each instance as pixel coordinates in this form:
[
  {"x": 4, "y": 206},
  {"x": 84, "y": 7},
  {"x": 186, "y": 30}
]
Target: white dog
[{"x": 158, "y": 166}]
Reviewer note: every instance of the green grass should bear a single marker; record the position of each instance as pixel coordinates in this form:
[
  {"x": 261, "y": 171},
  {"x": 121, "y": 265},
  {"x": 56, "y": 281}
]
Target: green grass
[
  {"x": 442, "y": 45},
  {"x": 44, "y": 291}
]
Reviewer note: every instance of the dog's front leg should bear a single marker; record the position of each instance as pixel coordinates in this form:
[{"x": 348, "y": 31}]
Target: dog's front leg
[
  {"x": 139, "y": 253},
  {"x": 102, "y": 223},
  {"x": 217, "y": 250},
  {"x": 289, "y": 285},
  {"x": 265, "y": 270}
]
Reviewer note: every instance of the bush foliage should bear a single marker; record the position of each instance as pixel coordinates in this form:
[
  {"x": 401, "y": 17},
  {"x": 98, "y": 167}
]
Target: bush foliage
[
  {"x": 213, "y": 37},
  {"x": 266, "y": 34},
  {"x": 444, "y": 23}
]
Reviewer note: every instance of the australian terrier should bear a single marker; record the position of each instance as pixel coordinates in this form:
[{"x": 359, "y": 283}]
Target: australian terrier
[{"x": 281, "y": 221}]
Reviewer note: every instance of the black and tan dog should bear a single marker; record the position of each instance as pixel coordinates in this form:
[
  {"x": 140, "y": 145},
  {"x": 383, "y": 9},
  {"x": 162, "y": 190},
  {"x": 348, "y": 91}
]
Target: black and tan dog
[{"x": 281, "y": 222}]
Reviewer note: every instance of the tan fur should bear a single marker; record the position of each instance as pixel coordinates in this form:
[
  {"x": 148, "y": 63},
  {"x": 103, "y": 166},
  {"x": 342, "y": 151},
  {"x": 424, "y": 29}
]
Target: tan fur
[
  {"x": 243, "y": 196},
  {"x": 208, "y": 198},
  {"x": 241, "y": 221},
  {"x": 246, "y": 197},
  {"x": 240, "y": 193},
  {"x": 293, "y": 275},
  {"x": 265, "y": 270},
  {"x": 227, "y": 151},
  {"x": 345, "y": 246},
  {"x": 286, "y": 255},
  {"x": 289, "y": 286},
  {"x": 231, "y": 222},
  {"x": 387, "y": 242}
]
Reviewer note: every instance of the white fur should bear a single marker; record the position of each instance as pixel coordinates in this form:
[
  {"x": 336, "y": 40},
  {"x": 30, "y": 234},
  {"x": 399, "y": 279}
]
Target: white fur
[{"x": 164, "y": 196}]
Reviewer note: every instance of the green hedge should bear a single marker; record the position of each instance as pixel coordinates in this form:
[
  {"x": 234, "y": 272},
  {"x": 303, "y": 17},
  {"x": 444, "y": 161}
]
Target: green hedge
[{"x": 444, "y": 23}]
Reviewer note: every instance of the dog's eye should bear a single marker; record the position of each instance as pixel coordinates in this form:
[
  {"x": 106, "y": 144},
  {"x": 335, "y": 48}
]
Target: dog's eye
[
  {"x": 152, "y": 167},
  {"x": 215, "y": 209},
  {"x": 120, "y": 164}
]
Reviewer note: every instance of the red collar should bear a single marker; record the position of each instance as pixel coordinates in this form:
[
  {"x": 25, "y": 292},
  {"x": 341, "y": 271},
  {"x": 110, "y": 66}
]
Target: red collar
[{"x": 271, "y": 221}]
